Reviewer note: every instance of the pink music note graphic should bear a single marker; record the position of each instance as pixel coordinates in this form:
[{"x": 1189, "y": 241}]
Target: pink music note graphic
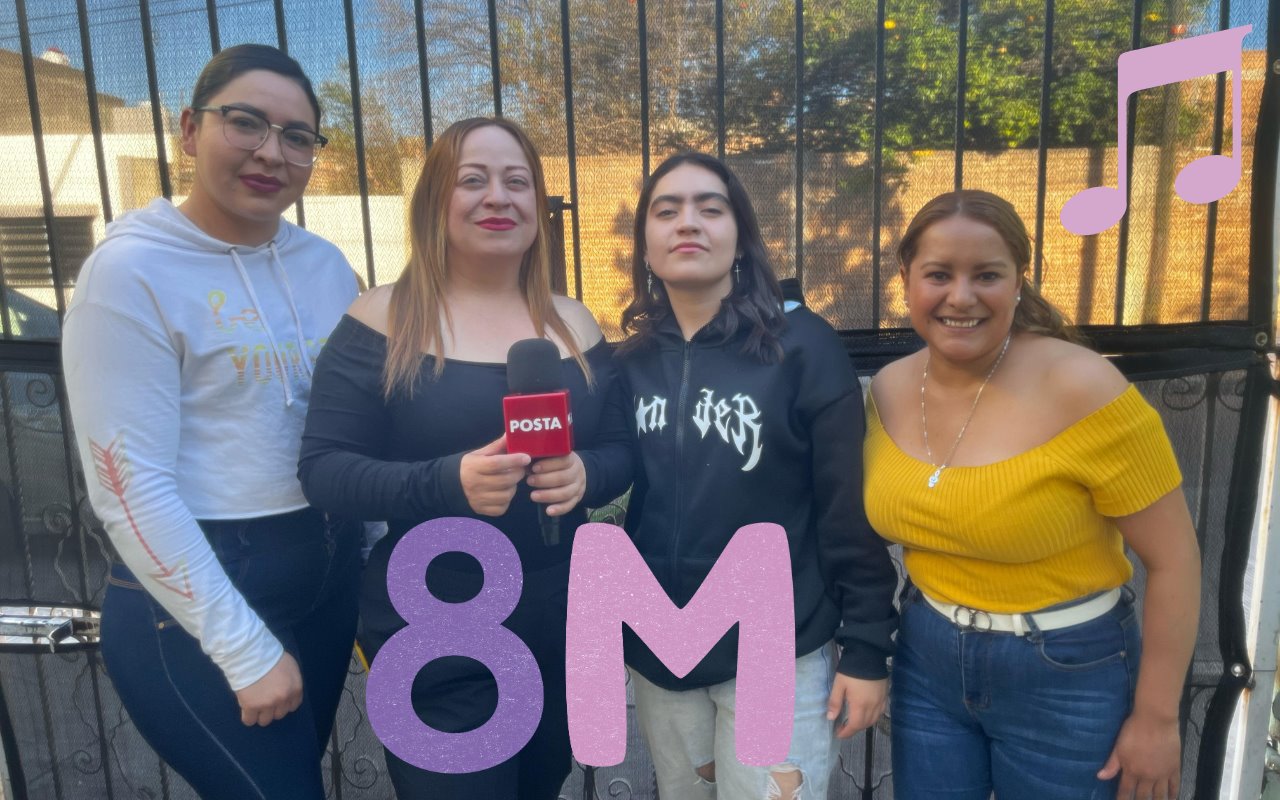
[{"x": 1204, "y": 180}]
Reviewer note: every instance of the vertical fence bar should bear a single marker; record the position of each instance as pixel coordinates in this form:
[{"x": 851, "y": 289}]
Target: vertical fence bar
[
  {"x": 1211, "y": 225},
  {"x": 211, "y": 11},
  {"x": 1247, "y": 462},
  {"x": 1262, "y": 211},
  {"x": 559, "y": 267},
  {"x": 153, "y": 88},
  {"x": 572, "y": 144},
  {"x": 9, "y": 756},
  {"x": 1042, "y": 154},
  {"x": 95, "y": 113},
  {"x": 69, "y": 461},
  {"x": 868, "y": 758},
  {"x": 6, "y": 325},
  {"x": 494, "y": 68},
  {"x": 642, "y": 29},
  {"x": 1213, "y": 386},
  {"x": 282, "y": 37},
  {"x": 11, "y": 450},
  {"x": 358, "y": 123},
  {"x": 335, "y": 763},
  {"x": 799, "y": 11},
  {"x": 720, "y": 122},
  {"x": 282, "y": 41},
  {"x": 877, "y": 167},
  {"x": 420, "y": 27},
  {"x": 46, "y": 201},
  {"x": 962, "y": 80},
  {"x": 42, "y": 161},
  {"x": 1122, "y": 247},
  {"x": 55, "y": 268}
]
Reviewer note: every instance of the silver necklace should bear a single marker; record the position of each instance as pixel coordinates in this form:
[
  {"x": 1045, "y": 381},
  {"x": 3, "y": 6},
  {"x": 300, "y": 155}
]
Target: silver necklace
[{"x": 924, "y": 419}]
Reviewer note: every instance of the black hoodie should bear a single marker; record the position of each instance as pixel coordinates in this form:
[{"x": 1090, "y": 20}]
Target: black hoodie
[{"x": 725, "y": 441}]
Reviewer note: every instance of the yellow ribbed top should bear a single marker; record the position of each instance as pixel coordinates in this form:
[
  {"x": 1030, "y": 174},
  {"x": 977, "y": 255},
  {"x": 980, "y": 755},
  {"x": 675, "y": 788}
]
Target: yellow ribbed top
[{"x": 1032, "y": 530}]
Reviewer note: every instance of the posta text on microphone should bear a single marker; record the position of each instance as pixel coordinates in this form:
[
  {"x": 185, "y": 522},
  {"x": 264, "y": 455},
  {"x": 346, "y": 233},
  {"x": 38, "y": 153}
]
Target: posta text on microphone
[
  {"x": 536, "y": 411},
  {"x": 538, "y": 424}
]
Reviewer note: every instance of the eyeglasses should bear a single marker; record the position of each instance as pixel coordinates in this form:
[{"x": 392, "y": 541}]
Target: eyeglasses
[{"x": 248, "y": 130}]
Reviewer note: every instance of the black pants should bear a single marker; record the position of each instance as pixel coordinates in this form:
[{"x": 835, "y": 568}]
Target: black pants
[
  {"x": 457, "y": 694},
  {"x": 299, "y": 572}
]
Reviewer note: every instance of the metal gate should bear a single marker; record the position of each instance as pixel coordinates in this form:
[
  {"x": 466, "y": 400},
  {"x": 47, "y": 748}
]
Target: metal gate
[{"x": 841, "y": 116}]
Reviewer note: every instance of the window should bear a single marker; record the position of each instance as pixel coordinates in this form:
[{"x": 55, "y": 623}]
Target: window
[{"x": 24, "y": 249}]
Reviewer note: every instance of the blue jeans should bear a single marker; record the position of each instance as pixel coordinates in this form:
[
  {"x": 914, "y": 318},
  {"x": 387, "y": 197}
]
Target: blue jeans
[
  {"x": 299, "y": 571},
  {"x": 1031, "y": 717},
  {"x": 689, "y": 729}
]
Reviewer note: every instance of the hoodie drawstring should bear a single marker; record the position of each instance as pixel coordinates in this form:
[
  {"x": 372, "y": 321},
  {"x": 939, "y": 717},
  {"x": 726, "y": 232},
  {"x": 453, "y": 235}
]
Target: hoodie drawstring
[
  {"x": 266, "y": 326},
  {"x": 297, "y": 320}
]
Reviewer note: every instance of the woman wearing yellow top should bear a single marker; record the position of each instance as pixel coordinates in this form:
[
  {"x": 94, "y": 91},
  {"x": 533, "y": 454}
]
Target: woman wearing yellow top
[{"x": 1014, "y": 466}]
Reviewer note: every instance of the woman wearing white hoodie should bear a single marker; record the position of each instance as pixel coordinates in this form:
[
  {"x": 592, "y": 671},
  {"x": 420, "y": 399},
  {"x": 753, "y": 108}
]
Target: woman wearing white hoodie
[{"x": 188, "y": 350}]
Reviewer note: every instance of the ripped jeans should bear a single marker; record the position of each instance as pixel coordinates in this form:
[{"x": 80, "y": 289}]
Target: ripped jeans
[{"x": 687, "y": 730}]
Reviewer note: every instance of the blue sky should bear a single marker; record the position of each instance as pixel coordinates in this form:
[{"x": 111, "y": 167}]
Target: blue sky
[
  {"x": 315, "y": 29},
  {"x": 180, "y": 34}
]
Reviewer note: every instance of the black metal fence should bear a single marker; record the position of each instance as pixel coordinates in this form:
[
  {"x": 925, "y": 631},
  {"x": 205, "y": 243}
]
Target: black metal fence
[{"x": 842, "y": 117}]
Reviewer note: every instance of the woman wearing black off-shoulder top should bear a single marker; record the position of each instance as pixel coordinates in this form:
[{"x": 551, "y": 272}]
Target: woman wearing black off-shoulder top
[{"x": 406, "y": 425}]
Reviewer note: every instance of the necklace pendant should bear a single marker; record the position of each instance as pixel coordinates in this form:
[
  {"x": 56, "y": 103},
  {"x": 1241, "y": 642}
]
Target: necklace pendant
[{"x": 933, "y": 479}]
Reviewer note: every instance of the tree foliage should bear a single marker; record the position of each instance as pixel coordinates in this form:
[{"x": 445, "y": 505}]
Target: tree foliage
[
  {"x": 1004, "y": 70},
  {"x": 335, "y": 172}
]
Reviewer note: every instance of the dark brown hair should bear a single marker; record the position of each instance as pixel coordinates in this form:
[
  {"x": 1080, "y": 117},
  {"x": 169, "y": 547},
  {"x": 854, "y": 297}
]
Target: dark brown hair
[
  {"x": 233, "y": 62},
  {"x": 756, "y": 299},
  {"x": 1034, "y": 314}
]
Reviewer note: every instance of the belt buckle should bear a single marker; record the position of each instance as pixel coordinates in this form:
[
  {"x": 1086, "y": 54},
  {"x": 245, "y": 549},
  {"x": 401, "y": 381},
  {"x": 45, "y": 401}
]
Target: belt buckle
[{"x": 973, "y": 618}]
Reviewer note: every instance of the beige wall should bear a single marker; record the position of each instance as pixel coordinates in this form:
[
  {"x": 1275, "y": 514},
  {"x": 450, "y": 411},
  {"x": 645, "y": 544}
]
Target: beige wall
[{"x": 1080, "y": 273}]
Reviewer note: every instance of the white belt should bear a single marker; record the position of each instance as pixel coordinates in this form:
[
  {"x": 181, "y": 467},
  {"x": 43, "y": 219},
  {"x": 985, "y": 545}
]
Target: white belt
[{"x": 974, "y": 619}]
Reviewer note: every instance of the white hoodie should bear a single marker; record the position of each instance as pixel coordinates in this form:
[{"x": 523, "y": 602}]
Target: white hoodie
[{"x": 188, "y": 367}]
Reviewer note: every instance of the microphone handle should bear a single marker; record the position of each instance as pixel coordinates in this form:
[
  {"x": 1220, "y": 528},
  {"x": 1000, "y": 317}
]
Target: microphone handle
[{"x": 550, "y": 526}]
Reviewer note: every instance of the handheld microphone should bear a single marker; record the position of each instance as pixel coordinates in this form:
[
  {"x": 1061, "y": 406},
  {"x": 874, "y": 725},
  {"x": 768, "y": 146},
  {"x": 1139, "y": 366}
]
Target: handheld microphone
[{"x": 536, "y": 412}]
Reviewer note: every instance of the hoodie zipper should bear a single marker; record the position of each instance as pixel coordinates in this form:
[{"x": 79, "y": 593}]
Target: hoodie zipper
[{"x": 680, "y": 426}]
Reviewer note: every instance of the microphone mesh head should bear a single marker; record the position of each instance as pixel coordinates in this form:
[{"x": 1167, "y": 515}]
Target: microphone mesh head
[{"x": 533, "y": 367}]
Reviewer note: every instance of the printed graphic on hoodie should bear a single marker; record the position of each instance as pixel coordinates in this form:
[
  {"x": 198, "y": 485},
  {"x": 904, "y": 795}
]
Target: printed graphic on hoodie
[
  {"x": 259, "y": 363},
  {"x": 651, "y": 416},
  {"x": 248, "y": 317},
  {"x": 114, "y": 473},
  {"x": 736, "y": 419}
]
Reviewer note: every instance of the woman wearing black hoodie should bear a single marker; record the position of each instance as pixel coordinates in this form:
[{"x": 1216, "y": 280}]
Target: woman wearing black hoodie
[{"x": 745, "y": 414}]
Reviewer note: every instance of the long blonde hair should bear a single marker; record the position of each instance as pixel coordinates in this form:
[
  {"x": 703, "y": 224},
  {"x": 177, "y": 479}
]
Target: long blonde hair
[{"x": 417, "y": 298}]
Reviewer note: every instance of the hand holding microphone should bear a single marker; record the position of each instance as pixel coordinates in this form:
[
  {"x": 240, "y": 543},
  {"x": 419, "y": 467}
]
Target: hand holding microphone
[
  {"x": 559, "y": 483},
  {"x": 539, "y": 424},
  {"x": 490, "y": 476}
]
